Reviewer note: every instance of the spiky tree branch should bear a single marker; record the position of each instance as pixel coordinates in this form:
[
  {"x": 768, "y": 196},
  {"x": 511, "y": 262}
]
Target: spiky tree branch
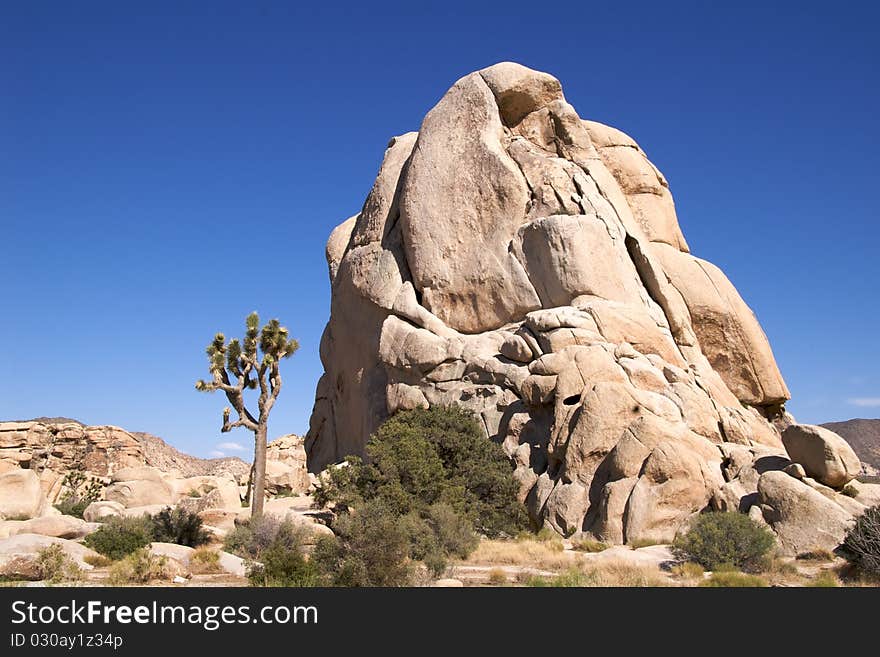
[{"x": 249, "y": 364}]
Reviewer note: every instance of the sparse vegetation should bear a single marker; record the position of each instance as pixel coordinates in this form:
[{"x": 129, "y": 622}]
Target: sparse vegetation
[
  {"x": 605, "y": 574},
  {"x": 725, "y": 538},
  {"x": 139, "y": 567},
  {"x": 544, "y": 555},
  {"x": 642, "y": 543},
  {"x": 862, "y": 543},
  {"x": 824, "y": 580},
  {"x": 54, "y": 566}
]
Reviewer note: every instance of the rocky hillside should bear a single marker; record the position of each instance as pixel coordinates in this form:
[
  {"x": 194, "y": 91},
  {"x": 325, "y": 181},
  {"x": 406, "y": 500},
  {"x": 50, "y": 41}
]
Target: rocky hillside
[
  {"x": 61, "y": 443},
  {"x": 163, "y": 456},
  {"x": 864, "y": 436},
  {"x": 527, "y": 264}
]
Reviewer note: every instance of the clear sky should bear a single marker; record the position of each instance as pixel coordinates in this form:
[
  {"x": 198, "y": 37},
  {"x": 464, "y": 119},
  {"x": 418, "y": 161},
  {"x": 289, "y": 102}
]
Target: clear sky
[{"x": 168, "y": 167}]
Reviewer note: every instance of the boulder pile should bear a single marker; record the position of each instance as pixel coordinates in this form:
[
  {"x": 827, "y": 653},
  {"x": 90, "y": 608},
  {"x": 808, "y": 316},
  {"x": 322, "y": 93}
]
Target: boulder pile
[{"x": 527, "y": 264}]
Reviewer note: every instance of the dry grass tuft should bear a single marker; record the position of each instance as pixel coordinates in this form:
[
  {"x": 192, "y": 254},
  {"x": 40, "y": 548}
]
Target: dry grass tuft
[
  {"x": 97, "y": 560},
  {"x": 605, "y": 574},
  {"x": 588, "y": 545},
  {"x": 819, "y": 555},
  {"x": 688, "y": 570},
  {"x": 497, "y": 577},
  {"x": 546, "y": 555},
  {"x": 205, "y": 561}
]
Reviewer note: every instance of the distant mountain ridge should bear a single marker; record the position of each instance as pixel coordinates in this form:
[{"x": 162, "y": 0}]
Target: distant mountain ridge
[{"x": 863, "y": 435}]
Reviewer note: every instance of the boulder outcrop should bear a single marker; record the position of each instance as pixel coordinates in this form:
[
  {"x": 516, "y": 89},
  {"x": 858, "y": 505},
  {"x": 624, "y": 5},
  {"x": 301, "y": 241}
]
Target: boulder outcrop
[{"x": 528, "y": 265}]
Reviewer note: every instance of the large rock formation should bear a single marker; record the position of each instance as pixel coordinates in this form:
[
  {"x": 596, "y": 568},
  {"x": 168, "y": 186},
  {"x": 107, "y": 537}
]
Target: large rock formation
[{"x": 528, "y": 265}]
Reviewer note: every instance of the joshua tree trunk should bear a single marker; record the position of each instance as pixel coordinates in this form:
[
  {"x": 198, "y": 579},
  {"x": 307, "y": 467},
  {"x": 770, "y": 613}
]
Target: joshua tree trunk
[{"x": 258, "y": 492}]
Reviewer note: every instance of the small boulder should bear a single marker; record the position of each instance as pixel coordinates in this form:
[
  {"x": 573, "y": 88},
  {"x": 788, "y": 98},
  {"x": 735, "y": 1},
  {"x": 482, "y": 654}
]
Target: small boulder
[
  {"x": 139, "y": 492},
  {"x": 802, "y": 518},
  {"x": 57, "y": 526},
  {"x": 825, "y": 456},
  {"x": 101, "y": 510}
]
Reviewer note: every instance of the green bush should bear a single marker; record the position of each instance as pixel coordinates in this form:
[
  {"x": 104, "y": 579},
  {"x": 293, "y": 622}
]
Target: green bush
[
  {"x": 179, "y": 526},
  {"x": 725, "y": 538},
  {"x": 119, "y": 537},
  {"x": 423, "y": 457},
  {"x": 371, "y": 548},
  {"x": 283, "y": 563},
  {"x": 435, "y": 477},
  {"x": 862, "y": 543}
]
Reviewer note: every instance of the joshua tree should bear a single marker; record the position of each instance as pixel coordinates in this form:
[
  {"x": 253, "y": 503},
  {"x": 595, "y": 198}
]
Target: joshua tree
[{"x": 238, "y": 366}]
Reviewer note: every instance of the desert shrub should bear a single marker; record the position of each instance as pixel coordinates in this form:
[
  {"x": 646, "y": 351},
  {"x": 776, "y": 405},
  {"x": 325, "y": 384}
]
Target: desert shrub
[
  {"x": 371, "y": 547},
  {"x": 97, "y": 560},
  {"x": 422, "y": 457},
  {"x": 204, "y": 561},
  {"x": 731, "y": 578},
  {"x": 725, "y": 538},
  {"x": 283, "y": 563},
  {"x": 138, "y": 567},
  {"x": 588, "y": 545},
  {"x": 434, "y": 474},
  {"x": 55, "y": 566},
  {"x": 119, "y": 536},
  {"x": 643, "y": 542},
  {"x": 251, "y": 538},
  {"x": 275, "y": 551},
  {"x": 862, "y": 543},
  {"x": 179, "y": 526},
  {"x": 83, "y": 490}
]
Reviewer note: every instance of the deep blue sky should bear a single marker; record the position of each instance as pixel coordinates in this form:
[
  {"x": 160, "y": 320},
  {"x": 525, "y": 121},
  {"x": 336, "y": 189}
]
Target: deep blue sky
[{"x": 169, "y": 166}]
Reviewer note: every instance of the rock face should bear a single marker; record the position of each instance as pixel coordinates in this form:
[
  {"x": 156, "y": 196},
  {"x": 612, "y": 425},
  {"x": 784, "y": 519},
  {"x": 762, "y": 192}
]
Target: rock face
[
  {"x": 286, "y": 471},
  {"x": 21, "y": 497},
  {"x": 528, "y": 265},
  {"x": 68, "y": 445}
]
